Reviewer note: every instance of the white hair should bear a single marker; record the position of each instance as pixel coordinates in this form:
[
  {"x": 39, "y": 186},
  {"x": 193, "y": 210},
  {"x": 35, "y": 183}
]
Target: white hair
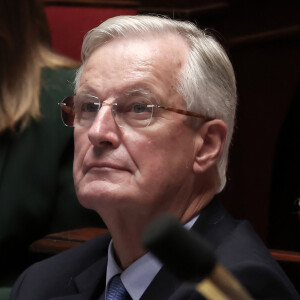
[{"x": 206, "y": 82}]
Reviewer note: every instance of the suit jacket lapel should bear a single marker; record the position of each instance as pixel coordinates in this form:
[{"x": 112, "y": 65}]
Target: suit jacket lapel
[
  {"x": 82, "y": 296},
  {"x": 88, "y": 284},
  {"x": 207, "y": 225},
  {"x": 214, "y": 223}
]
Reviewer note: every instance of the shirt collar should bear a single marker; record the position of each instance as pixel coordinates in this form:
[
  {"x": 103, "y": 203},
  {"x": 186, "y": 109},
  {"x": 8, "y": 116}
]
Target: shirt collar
[{"x": 138, "y": 276}]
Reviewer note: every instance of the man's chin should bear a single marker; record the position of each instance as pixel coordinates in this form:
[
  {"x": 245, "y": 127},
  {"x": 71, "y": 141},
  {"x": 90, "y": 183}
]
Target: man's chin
[{"x": 99, "y": 194}]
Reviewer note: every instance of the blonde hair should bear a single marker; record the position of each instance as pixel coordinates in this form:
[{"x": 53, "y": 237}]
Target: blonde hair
[{"x": 24, "y": 51}]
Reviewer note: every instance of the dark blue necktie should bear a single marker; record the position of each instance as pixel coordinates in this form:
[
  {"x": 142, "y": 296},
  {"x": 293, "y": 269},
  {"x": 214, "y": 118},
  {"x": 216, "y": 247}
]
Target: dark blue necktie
[{"x": 116, "y": 290}]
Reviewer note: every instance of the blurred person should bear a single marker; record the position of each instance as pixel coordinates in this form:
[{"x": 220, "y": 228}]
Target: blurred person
[
  {"x": 153, "y": 116},
  {"x": 37, "y": 194}
]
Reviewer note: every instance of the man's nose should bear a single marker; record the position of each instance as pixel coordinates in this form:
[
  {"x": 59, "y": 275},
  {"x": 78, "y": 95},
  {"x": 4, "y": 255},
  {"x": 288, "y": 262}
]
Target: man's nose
[{"x": 104, "y": 130}]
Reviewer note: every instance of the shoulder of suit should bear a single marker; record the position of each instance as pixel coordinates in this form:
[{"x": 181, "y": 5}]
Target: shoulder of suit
[{"x": 86, "y": 253}]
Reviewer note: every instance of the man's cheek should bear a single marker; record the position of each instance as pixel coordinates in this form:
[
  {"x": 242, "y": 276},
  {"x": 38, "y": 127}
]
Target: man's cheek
[{"x": 77, "y": 170}]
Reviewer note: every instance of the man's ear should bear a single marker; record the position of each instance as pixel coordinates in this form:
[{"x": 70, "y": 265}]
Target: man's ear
[{"x": 209, "y": 144}]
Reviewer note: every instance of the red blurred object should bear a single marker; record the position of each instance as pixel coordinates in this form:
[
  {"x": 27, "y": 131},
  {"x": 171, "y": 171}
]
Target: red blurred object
[{"x": 69, "y": 24}]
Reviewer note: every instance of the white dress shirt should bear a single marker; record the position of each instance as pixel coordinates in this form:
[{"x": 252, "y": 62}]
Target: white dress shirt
[{"x": 138, "y": 276}]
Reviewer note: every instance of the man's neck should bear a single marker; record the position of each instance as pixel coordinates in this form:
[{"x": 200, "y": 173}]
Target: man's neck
[{"x": 127, "y": 231}]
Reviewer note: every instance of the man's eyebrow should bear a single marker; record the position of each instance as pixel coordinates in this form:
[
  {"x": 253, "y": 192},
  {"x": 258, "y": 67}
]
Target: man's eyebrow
[
  {"x": 144, "y": 92},
  {"x": 138, "y": 92}
]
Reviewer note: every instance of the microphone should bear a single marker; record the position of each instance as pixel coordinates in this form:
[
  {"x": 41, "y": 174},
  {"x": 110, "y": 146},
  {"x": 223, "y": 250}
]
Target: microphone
[{"x": 191, "y": 259}]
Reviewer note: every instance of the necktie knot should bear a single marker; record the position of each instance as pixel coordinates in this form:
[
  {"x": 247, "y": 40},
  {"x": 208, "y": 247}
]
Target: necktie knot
[{"x": 117, "y": 290}]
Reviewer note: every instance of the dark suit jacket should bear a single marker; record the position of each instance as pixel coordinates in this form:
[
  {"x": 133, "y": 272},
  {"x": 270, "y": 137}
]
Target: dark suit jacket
[{"x": 79, "y": 273}]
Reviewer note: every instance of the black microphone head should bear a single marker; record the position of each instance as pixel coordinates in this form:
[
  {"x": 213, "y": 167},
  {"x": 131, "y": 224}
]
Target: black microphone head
[{"x": 183, "y": 252}]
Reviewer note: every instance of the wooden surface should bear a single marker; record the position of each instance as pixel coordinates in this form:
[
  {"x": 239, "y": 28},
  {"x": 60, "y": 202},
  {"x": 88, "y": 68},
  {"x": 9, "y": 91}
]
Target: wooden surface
[
  {"x": 287, "y": 256},
  {"x": 57, "y": 242}
]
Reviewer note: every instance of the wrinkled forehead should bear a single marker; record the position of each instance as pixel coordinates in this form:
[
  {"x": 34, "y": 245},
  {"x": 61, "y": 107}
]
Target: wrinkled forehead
[
  {"x": 95, "y": 40},
  {"x": 150, "y": 62},
  {"x": 181, "y": 49},
  {"x": 171, "y": 45}
]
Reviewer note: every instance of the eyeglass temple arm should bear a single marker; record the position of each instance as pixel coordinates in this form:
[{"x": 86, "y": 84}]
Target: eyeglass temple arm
[
  {"x": 66, "y": 109},
  {"x": 185, "y": 112}
]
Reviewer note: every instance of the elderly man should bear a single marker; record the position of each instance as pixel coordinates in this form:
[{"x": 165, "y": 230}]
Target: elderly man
[{"x": 153, "y": 116}]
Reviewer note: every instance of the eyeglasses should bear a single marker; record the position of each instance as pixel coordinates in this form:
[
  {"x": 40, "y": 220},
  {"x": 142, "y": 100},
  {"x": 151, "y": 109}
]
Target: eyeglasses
[{"x": 81, "y": 111}]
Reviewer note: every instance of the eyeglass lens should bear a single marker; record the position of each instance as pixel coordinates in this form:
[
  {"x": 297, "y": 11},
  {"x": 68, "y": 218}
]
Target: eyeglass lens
[{"x": 81, "y": 110}]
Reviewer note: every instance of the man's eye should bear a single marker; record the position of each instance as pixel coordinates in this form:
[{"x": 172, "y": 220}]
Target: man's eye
[
  {"x": 139, "y": 108},
  {"x": 90, "y": 107}
]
